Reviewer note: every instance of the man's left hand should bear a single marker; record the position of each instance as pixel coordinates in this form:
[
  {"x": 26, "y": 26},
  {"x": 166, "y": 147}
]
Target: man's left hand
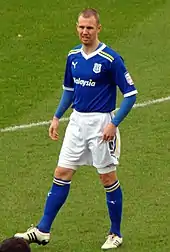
[{"x": 109, "y": 132}]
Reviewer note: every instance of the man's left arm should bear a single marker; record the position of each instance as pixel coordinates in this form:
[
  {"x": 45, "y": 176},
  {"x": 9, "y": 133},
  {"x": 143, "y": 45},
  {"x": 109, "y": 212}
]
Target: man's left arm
[
  {"x": 124, "y": 109},
  {"x": 123, "y": 80},
  {"x": 126, "y": 105}
]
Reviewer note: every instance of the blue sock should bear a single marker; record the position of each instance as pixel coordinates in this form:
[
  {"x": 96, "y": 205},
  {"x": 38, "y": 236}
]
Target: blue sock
[
  {"x": 55, "y": 200},
  {"x": 114, "y": 203}
]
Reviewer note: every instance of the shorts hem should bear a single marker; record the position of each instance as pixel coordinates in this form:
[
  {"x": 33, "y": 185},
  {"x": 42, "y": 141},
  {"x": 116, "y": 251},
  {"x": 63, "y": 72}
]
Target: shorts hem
[
  {"x": 106, "y": 169},
  {"x": 68, "y": 166},
  {"x": 107, "y": 165}
]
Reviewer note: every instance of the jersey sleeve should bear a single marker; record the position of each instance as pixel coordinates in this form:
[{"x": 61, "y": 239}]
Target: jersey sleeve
[
  {"x": 68, "y": 83},
  {"x": 122, "y": 78}
]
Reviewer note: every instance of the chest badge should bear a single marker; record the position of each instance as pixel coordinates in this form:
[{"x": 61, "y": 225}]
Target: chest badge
[{"x": 97, "y": 68}]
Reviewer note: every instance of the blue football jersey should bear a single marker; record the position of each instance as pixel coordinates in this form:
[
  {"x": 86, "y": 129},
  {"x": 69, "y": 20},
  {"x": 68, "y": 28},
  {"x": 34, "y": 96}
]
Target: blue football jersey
[{"x": 94, "y": 79}]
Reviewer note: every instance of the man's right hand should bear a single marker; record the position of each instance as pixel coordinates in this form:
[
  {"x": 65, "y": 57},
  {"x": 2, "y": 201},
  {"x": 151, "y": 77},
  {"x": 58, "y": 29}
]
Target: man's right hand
[{"x": 53, "y": 129}]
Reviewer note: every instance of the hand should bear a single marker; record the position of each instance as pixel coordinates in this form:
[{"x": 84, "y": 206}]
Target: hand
[
  {"x": 53, "y": 129},
  {"x": 109, "y": 132}
]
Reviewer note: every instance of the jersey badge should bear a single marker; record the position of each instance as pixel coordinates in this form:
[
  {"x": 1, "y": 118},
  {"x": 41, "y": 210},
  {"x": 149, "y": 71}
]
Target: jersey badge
[
  {"x": 129, "y": 79},
  {"x": 97, "y": 68}
]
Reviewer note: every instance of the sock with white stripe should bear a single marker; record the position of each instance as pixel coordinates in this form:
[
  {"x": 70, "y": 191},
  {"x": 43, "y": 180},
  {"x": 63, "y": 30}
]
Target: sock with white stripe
[
  {"x": 55, "y": 199},
  {"x": 114, "y": 204}
]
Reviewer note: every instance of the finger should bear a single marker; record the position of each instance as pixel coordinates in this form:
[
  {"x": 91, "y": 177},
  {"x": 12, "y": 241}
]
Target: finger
[
  {"x": 50, "y": 131},
  {"x": 110, "y": 138},
  {"x": 53, "y": 135},
  {"x": 55, "y": 138},
  {"x": 105, "y": 138}
]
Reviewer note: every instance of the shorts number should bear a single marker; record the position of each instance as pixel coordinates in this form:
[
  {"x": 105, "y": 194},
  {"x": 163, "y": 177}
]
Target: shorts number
[{"x": 112, "y": 146}]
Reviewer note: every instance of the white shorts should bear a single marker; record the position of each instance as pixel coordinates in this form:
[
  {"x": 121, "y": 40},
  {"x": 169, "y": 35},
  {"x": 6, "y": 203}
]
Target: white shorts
[{"x": 83, "y": 145}]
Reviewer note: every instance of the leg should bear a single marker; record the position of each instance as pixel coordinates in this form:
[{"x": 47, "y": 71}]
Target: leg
[
  {"x": 56, "y": 197},
  {"x": 70, "y": 155},
  {"x": 114, "y": 200},
  {"x": 114, "y": 204},
  {"x": 55, "y": 200},
  {"x": 105, "y": 157}
]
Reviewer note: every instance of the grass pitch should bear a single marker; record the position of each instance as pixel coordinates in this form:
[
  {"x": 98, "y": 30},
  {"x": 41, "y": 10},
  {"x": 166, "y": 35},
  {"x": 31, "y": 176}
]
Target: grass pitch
[{"x": 31, "y": 73}]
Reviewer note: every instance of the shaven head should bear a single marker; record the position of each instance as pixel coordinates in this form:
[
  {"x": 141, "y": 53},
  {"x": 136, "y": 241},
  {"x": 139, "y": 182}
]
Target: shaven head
[
  {"x": 90, "y": 12},
  {"x": 88, "y": 28}
]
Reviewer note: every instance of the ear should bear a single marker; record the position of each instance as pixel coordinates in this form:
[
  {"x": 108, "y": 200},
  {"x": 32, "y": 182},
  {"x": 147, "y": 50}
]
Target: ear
[
  {"x": 76, "y": 26},
  {"x": 99, "y": 28}
]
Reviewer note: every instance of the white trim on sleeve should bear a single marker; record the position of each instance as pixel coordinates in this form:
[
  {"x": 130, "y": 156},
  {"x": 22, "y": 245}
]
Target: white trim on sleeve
[
  {"x": 68, "y": 89},
  {"x": 131, "y": 93}
]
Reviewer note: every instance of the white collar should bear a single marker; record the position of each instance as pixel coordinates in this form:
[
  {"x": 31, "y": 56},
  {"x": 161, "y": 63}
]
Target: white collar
[{"x": 88, "y": 56}]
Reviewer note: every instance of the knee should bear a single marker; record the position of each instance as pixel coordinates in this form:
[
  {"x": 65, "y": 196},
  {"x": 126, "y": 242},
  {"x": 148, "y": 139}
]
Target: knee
[
  {"x": 108, "y": 178},
  {"x": 63, "y": 173}
]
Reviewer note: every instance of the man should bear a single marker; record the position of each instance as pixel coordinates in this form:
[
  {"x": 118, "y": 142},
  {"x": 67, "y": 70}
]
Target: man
[
  {"x": 93, "y": 71},
  {"x": 14, "y": 245}
]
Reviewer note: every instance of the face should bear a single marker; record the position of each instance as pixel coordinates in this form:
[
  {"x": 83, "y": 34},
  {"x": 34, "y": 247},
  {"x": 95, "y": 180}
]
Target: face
[{"x": 88, "y": 30}]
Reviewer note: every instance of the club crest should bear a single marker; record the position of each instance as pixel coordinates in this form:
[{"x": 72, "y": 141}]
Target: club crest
[{"x": 97, "y": 68}]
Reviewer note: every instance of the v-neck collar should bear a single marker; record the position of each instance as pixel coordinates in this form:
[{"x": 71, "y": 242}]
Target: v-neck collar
[{"x": 88, "y": 56}]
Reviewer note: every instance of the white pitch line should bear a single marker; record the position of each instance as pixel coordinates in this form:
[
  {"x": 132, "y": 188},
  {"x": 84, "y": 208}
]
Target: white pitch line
[
  {"x": 30, "y": 125},
  {"x": 150, "y": 102}
]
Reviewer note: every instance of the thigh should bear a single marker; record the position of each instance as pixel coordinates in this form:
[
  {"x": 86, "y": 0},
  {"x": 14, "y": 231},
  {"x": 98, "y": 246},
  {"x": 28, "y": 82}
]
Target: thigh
[
  {"x": 73, "y": 146},
  {"x": 105, "y": 154}
]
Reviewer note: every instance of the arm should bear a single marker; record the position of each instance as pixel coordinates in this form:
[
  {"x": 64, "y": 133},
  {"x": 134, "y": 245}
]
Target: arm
[
  {"x": 126, "y": 105},
  {"x": 125, "y": 108},
  {"x": 123, "y": 80},
  {"x": 68, "y": 93},
  {"x": 65, "y": 102}
]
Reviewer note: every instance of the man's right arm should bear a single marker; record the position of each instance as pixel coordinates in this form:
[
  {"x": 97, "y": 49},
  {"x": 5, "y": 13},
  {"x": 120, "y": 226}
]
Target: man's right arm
[
  {"x": 65, "y": 102},
  {"x": 68, "y": 93}
]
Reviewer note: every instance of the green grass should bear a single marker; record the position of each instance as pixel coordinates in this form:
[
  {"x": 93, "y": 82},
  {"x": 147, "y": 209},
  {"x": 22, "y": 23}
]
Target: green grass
[
  {"x": 31, "y": 73},
  {"x": 32, "y": 67}
]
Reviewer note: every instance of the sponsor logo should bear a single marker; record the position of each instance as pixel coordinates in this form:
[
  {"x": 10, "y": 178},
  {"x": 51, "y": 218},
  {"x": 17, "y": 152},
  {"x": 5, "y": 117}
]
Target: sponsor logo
[
  {"x": 97, "y": 68},
  {"x": 83, "y": 83},
  {"x": 129, "y": 79},
  {"x": 74, "y": 64},
  {"x": 112, "y": 201}
]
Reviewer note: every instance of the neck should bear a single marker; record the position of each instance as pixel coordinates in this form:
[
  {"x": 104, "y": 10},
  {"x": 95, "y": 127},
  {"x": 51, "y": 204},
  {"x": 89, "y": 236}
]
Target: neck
[{"x": 91, "y": 48}]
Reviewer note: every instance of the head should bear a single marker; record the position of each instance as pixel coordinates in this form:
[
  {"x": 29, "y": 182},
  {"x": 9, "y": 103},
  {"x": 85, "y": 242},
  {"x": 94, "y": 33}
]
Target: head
[
  {"x": 88, "y": 26},
  {"x": 14, "y": 245}
]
